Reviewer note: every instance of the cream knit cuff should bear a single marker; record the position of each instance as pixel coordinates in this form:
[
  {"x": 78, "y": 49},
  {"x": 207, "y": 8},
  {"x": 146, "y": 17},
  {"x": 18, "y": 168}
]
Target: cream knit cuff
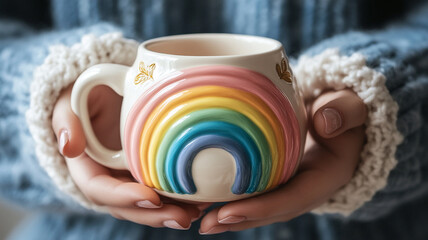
[
  {"x": 326, "y": 70},
  {"x": 330, "y": 70},
  {"x": 61, "y": 68}
]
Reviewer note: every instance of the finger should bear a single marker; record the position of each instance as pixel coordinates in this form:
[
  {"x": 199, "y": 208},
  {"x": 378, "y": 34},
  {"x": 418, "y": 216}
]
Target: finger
[
  {"x": 313, "y": 184},
  {"x": 193, "y": 210},
  {"x": 67, "y": 127},
  {"x": 336, "y": 112},
  {"x": 210, "y": 221},
  {"x": 200, "y": 205},
  {"x": 96, "y": 182},
  {"x": 213, "y": 227},
  {"x": 298, "y": 195},
  {"x": 171, "y": 216},
  {"x": 203, "y": 206}
]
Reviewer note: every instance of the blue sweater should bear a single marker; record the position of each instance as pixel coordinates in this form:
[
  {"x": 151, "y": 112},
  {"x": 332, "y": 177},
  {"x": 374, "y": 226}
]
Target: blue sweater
[{"x": 397, "y": 48}]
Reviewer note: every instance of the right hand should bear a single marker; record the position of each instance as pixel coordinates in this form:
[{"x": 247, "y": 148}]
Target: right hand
[{"x": 116, "y": 190}]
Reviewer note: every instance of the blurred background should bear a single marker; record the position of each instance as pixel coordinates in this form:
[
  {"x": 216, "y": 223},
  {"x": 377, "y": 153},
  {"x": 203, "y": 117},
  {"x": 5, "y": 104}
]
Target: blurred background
[{"x": 10, "y": 217}]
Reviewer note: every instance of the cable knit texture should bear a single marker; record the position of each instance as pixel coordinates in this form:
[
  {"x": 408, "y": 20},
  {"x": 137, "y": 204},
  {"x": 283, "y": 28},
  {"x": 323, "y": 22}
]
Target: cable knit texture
[
  {"x": 391, "y": 35},
  {"x": 302, "y": 23},
  {"x": 329, "y": 70},
  {"x": 315, "y": 74},
  {"x": 60, "y": 69}
]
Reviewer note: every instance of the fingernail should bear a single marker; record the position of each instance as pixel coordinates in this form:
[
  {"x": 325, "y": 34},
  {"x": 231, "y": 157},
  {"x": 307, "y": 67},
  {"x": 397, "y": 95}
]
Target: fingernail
[
  {"x": 232, "y": 219},
  {"x": 214, "y": 230},
  {"x": 332, "y": 119},
  {"x": 147, "y": 204},
  {"x": 174, "y": 224},
  {"x": 63, "y": 140}
]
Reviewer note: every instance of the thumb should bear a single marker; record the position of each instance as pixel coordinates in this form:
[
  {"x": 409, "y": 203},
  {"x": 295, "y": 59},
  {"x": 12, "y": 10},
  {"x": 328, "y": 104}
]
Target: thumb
[
  {"x": 66, "y": 125},
  {"x": 333, "y": 113}
]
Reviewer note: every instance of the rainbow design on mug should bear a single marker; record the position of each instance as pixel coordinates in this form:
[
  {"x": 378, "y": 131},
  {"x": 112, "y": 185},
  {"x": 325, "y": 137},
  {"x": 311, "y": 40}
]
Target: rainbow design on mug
[{"x": 231, "y": 108}]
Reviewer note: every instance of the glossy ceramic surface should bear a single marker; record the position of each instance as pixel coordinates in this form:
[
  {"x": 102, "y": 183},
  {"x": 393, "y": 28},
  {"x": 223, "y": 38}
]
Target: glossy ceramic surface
[{"x": 205, "y": 117}]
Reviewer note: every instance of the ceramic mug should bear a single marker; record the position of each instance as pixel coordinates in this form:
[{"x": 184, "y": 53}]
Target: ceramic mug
[{"x": 205, "y": 117}]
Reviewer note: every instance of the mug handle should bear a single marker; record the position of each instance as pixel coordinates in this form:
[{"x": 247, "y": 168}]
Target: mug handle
[{"x": 113, "y": 76}]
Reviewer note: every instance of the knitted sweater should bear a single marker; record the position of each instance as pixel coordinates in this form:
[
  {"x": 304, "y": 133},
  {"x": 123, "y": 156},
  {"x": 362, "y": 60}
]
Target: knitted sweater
[{"x": 387, "y": 68}]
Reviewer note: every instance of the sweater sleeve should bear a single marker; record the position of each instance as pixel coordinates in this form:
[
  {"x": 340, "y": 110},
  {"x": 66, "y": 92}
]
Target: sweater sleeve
[
  {"x": 22, "y": 178},
  {"x": 388, "y": 69}
]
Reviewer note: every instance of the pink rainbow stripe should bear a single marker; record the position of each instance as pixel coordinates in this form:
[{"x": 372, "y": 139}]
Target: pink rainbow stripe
[{"x": 213, "y": 75}]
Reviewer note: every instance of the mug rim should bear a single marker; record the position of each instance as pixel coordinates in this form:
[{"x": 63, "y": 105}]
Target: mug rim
[{"x": 275, "y": 45}]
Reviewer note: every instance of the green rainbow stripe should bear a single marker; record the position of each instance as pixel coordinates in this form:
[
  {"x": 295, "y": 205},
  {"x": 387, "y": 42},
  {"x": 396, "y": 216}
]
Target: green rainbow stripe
[{"x": 237, "y": 110}]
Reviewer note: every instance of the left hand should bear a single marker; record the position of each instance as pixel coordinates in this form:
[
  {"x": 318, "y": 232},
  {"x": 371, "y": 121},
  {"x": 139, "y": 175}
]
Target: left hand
[
  {"x": 115, "y": 190},
  {"x": 332, "y": 151}
]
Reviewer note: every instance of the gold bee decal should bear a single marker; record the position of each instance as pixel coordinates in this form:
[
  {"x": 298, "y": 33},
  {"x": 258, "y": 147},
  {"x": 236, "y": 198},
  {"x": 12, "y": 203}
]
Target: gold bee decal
[
  {"x": 284, "y": 71},
  {"x": 146, "y": 73}
]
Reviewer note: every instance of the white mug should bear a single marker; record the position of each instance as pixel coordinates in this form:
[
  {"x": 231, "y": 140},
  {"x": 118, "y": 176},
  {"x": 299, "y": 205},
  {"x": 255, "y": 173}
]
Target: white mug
[{"x": 205, "y": 117}]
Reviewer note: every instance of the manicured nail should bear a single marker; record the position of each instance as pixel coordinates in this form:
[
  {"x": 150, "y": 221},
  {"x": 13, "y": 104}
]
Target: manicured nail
[
  {"x": 332, "y": 119},
  {"x": 174, "y": 225},
  {"x": 147, "y": 204},
  {"x": 232, "y": 219},
  {"x": 214, "y": 230},
  {"x": 63, "y": 140}
]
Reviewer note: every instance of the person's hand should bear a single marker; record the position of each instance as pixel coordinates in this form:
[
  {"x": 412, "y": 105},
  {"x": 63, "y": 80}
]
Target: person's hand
[
  {"x": 334, "y": 142},
  {"x": 116, "y": 190}
]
